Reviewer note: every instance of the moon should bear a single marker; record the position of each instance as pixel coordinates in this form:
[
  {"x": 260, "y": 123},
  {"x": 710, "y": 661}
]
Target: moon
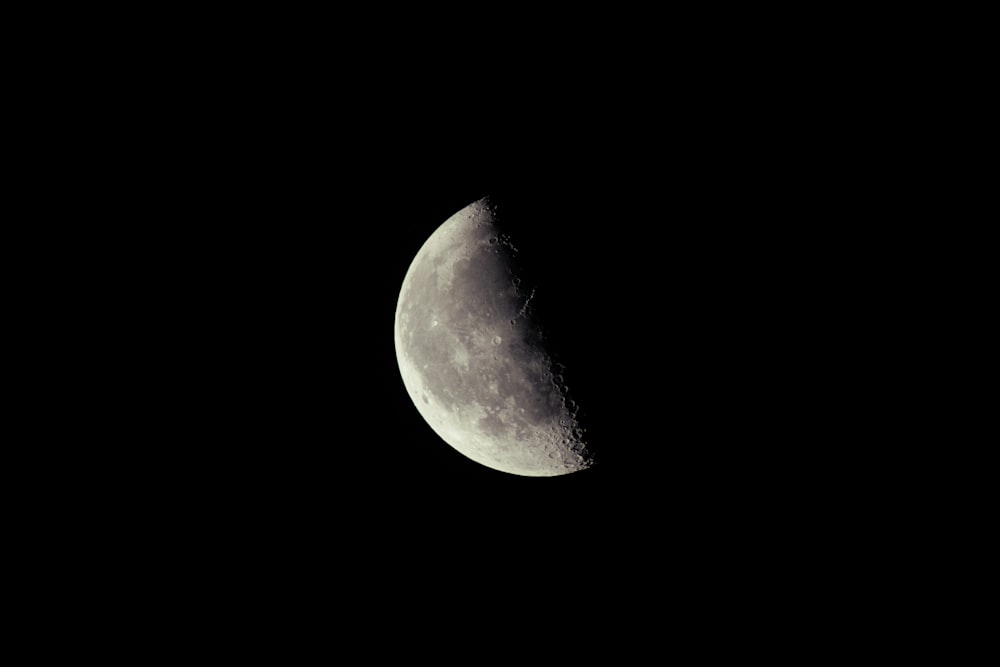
[{"x": 473, "y": 358}]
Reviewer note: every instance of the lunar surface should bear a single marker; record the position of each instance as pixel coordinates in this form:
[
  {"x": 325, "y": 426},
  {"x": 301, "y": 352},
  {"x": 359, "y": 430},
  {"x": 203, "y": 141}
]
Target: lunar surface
[{"x": 473, "y": 359}]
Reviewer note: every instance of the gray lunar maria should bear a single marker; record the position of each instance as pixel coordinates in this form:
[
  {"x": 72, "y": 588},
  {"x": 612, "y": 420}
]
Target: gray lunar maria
[{"x": 473, "y": 361}]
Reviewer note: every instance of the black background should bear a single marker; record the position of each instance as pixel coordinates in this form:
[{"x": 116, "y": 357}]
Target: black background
[
  {"x": 278, "y": 415},
  {"x": 256, "y": 209}
]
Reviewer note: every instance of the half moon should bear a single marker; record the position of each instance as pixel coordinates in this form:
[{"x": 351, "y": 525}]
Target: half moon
[{"x": 473, "y": 360}]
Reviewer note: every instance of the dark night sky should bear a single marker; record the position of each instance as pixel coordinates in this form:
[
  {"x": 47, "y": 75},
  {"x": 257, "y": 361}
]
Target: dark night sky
[
  {"x": 268, "y": 220},
  {"x": 283, "y": 278},
  {"x": 278, "y": 241}
]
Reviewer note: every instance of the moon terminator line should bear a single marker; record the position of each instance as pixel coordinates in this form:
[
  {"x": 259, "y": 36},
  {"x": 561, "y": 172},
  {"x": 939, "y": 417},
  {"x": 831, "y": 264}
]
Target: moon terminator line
[{"x": 473, "y": 359}]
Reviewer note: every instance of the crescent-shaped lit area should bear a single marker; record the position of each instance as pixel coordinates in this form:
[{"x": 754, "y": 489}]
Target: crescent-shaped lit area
[{"x": 473, "y": 359}]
